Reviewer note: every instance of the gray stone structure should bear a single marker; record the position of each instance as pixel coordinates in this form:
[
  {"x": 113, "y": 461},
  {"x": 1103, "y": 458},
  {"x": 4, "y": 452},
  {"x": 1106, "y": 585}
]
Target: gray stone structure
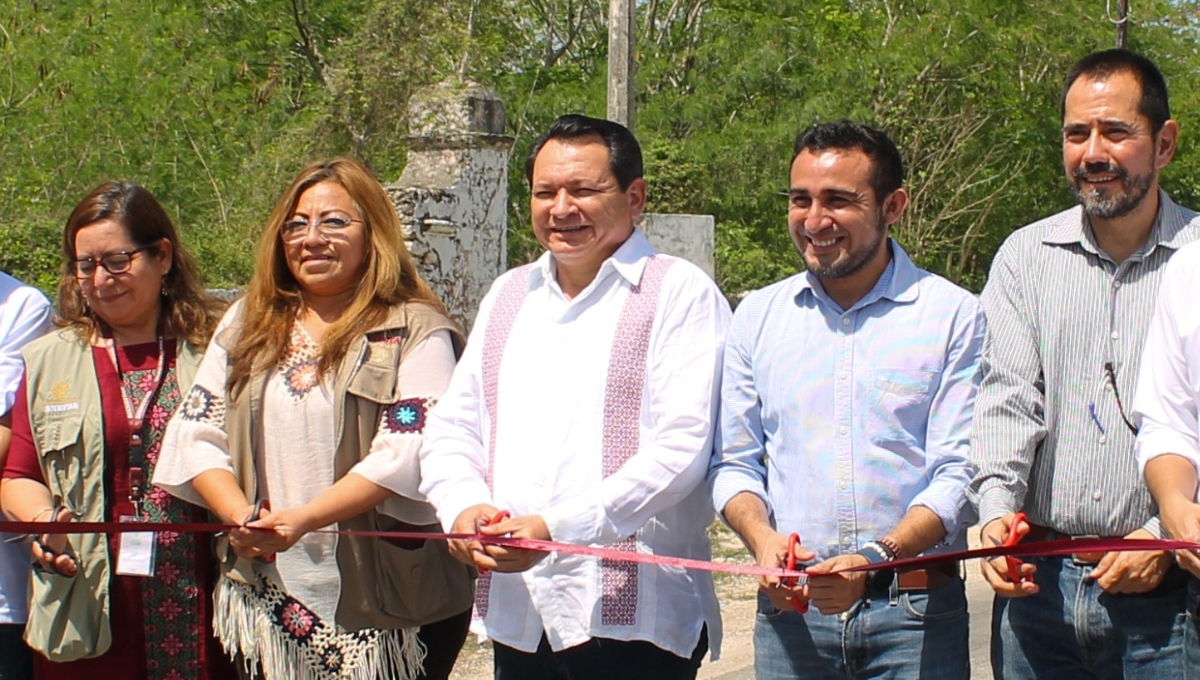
[
  {"x": 687, "y": 236},
  {"x": 452, "y": 197}
]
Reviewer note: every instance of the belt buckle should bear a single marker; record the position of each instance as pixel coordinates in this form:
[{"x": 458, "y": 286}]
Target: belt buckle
[{"x": 1077, "y": 558}]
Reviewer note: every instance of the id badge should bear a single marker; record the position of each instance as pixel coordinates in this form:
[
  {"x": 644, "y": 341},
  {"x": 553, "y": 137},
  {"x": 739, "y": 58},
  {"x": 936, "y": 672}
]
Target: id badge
[{"x": 135, "y": 551}]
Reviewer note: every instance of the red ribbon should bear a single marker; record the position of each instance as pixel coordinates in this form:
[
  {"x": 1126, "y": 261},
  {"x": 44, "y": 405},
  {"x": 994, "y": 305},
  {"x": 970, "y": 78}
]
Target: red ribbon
[{"x": 1044, "y": 548}]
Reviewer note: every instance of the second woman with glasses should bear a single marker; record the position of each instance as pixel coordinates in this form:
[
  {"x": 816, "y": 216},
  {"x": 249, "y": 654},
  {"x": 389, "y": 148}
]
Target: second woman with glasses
[
  {"x": 87, "y": 427},
  {"x": 308, "y": 413}
]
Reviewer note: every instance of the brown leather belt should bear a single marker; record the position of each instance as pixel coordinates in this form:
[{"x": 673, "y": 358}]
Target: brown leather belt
[
  {"x": 932, "y": 577},
  {"x": 1038, "y": 534}
]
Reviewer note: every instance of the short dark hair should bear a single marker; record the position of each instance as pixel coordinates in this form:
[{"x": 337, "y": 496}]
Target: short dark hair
[
  {"x": 887, "y": 167},
  {"x": 1154, "y": 104},
  {"x": 624, "y": 153}
]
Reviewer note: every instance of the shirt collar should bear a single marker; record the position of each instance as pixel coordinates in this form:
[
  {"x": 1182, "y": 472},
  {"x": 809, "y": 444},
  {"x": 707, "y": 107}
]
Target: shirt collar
[
  {"x": 1167, "y": 230},
  {"x": 898, "y": 283},
  {"x": 628, "y": 262}
]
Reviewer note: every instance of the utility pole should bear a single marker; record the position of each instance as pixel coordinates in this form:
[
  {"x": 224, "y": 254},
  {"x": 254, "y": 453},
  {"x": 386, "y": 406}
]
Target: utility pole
[
  {"x": 621, "y": 43},
  {"x": 1122, "y": 22}
]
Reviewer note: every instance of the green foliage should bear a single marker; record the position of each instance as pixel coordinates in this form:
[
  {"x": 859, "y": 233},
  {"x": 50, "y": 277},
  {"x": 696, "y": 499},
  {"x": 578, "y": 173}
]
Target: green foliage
[{"x": 215, "y": 104}]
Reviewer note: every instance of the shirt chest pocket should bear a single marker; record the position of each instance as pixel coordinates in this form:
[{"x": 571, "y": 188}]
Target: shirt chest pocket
[
  {"x": 375, "y": 379},
  {"x": 900, "y": 400}
]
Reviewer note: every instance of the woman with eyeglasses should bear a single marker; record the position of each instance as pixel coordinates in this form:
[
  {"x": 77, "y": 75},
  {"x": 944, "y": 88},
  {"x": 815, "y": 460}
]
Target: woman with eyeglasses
[
  {"x": 87, "y": 429},
  {"x": 307, "y": 414}
]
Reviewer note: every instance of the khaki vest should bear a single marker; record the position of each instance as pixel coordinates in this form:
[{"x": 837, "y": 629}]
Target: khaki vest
[
  {"x": 383, "y": 585},
  {"x": 69, "y": 617}
]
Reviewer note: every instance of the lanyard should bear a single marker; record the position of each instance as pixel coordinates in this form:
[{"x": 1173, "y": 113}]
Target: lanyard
[{"x": 136, "y": 414}]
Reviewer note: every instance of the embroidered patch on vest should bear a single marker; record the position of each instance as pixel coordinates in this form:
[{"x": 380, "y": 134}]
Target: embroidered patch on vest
[
  {"x": 407, "y": 415},
  {"x": 203, "y": 406}
]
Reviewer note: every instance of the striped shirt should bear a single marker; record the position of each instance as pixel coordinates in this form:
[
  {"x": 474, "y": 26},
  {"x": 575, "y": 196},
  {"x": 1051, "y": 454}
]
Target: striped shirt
[
  {"x": 844, "y": 420},
  {"x": 1048, "y": 436}
]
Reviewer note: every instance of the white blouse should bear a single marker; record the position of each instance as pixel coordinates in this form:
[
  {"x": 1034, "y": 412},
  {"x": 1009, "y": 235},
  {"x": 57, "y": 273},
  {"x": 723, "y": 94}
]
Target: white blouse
[{"x": 294, "y": 456}]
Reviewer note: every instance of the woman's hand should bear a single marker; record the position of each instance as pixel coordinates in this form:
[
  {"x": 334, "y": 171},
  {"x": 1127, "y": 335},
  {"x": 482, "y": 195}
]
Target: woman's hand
[
  {"x": 249, "y": 543},
  {"x": 286, "y": 527},
  {"x": 50, "y": 550}
]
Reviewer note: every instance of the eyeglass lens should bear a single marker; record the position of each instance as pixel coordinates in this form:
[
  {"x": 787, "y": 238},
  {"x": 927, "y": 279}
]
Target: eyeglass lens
[
  {"x": 114, "y": 263},
  {"x": 297, "y": 229}
]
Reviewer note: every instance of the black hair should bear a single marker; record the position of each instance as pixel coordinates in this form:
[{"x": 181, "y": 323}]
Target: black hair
[
  {"x": 887, "y": 167},
  {"x": 624, "y": 153},
  {"x": 1154, "y": 104}
]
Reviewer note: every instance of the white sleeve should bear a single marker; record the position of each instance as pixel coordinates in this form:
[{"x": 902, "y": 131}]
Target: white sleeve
[
  {"x": 453, "y": 454},
  {"x": 1165, "y": 402},
  {"x": 196, "y": 439},
  {"x": 394, "y": 459},
  {"x": 24, "y": 316}
]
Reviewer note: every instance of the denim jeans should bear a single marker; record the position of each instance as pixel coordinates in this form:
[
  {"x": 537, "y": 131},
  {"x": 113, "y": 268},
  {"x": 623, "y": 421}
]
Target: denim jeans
[
  {"x": 885, "y": 635},
  {"x": 1073, "y": 629},
  {"x": 1191, "y": 640}
]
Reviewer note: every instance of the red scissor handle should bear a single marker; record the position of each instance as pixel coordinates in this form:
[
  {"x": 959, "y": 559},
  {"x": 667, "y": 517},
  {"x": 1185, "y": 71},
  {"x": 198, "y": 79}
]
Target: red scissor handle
[
  {"x": 801, "y": 606},
  {"x": 497, "y": 518},
  {"x": 1014, "y": 564}
]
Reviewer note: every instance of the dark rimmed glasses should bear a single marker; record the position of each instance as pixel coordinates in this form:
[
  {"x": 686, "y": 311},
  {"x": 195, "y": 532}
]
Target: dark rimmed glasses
[
  {"x": 294, "y": 230},
  {"x": 114, "y": 263}
]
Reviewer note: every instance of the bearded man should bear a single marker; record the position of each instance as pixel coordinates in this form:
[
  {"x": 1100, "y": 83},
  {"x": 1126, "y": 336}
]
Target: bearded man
[{"x": 1068, "y": 303}]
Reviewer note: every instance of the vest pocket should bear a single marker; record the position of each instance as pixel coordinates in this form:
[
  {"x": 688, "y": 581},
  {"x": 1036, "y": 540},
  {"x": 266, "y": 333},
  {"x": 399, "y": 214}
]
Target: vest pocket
[
  {"x": 413, "y": 579},
  {"x": 67, "y": 618}
]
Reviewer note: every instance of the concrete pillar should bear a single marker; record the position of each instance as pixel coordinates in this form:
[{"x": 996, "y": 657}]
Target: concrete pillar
[
  {"x": 690, "y": 237},
  {"x": 452, "y": 196}
]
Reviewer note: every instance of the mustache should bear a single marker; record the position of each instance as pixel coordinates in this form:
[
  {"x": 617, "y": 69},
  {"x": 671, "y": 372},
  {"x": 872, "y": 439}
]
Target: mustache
[{"x": 1099, "y": 169}]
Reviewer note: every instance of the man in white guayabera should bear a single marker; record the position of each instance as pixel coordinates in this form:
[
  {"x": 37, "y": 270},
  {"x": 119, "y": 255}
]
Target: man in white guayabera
[{"x": 584, "y": 406}]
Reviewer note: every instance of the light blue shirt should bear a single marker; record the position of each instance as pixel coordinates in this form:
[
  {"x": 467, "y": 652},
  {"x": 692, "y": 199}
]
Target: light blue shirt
[{"x": 843, "y": 420}]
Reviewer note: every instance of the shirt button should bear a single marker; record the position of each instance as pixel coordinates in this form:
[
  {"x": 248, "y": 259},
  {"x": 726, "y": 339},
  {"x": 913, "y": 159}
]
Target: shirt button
[
  {"x": 1103, "y": 439},
  {"x": 1114, "y": 335},
  {"x": 845, "y": 321},
  {"x": 1096, "y": 496},
  {"x": 843, "y": 430},
  {"x": 842, "y": 375},
  {"x": 842, "y": 486}
]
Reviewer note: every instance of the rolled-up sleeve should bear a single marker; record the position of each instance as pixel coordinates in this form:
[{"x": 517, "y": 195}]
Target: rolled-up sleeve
[
  {"x": 1165, "y": 403},
  {"x": 948, "y": 438}
]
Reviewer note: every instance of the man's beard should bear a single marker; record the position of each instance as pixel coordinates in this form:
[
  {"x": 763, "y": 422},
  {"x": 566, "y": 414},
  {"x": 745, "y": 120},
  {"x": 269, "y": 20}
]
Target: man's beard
[
  {"x": 855, "y": 260},
  {"x": 1110, "y": 204}
]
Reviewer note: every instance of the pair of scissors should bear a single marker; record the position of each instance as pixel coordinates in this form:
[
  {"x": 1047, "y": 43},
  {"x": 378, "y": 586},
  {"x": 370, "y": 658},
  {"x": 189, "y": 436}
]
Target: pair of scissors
[
  {"x": 496, "y": 519},
  {"x": 1014, "y": 564},
  {"x": 801, "y": 606}
]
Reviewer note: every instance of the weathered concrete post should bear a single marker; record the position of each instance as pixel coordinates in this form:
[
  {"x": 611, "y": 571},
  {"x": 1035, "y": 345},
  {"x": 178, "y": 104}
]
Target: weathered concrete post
[{"x": 452, "y": 196}]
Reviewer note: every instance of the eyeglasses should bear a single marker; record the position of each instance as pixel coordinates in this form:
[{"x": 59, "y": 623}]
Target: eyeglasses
[
  {"x": 294, "y": 231},
  {"x": 114, "y": 263}
]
